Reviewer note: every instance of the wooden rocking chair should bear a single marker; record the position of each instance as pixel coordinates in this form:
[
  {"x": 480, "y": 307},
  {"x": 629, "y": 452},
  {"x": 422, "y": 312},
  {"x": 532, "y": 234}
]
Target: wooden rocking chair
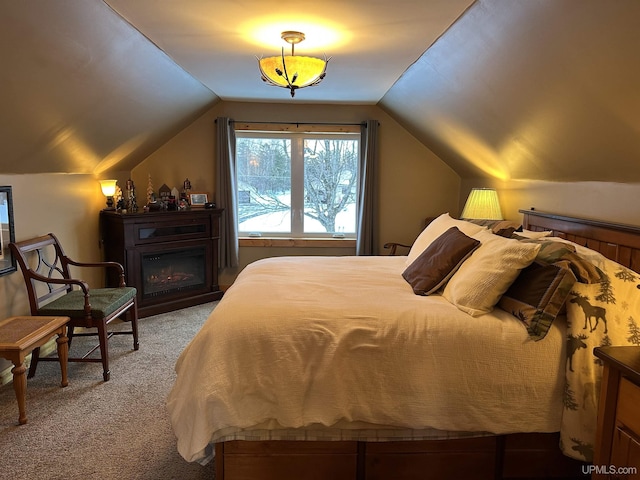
[{"x": 53, "y": 292}]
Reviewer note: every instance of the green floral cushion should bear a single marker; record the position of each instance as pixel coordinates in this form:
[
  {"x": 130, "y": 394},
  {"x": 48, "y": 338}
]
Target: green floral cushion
[{"x": 104, "y": 301}]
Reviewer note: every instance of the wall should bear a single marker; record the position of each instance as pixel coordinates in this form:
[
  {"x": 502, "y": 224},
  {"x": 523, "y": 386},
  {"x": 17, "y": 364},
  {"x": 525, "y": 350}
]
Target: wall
[
  {"x": 613, "y": 202},
  {"x": 414, "y": 183},
  {"x": 67, "y": 205},
  {"x": 607, "y": 201}
]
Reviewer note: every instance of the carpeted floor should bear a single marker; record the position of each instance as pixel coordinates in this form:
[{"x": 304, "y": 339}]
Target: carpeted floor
[{"x": 96, "y": 430}]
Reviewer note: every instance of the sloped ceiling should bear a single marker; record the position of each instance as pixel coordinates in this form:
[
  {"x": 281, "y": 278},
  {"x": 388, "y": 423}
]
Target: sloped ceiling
[
  {"x": 83, "y": 92},
  {"x": 535, "y": 89}
]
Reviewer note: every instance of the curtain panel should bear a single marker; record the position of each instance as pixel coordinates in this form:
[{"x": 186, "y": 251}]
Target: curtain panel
[
  {"x": 226, "y": 195},
  {"x": 367, "y": 238}
]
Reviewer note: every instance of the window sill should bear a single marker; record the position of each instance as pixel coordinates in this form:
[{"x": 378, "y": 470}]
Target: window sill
[{"x": 297, "y": 242}]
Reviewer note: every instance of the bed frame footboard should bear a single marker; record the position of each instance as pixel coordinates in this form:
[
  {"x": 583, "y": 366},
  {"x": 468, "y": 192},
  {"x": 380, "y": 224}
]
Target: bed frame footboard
[{"x": 516, "y": 456}]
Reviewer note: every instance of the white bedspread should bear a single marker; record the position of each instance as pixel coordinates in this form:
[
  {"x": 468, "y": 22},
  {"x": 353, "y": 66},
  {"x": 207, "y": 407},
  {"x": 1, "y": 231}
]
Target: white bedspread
[{"x": 304, "y": 341}]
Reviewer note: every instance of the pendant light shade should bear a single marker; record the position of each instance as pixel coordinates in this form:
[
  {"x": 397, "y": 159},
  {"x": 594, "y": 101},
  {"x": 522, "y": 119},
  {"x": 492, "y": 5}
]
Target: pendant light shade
[{"x": 291, "y": 71}]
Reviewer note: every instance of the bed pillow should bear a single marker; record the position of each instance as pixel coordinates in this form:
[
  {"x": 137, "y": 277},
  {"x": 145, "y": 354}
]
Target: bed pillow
[
  {"x": 436, "y": 228},
  {"x": 550, "y": 250},
  {"x": 537, "y": 296},
  {"x": 480, "y": 281},
  {"x": 439, "y": 261},
  {"x": 504, "y": 228},
  {"x": 533, "y": 235},
  {"x": 564, "y": 254}
]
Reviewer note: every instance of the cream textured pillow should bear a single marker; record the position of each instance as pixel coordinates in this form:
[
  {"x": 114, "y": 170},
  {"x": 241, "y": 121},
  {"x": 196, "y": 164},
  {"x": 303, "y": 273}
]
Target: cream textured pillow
[
  {"x": 436, "y": 228},
  {"x": 482, "y": 279}
]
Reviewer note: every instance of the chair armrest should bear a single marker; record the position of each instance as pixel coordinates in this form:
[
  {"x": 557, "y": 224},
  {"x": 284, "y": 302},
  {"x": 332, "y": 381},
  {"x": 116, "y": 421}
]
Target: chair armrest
[
  {"x": 115, "y": 265},
  {"x": 96, "y": 264},
  {"x": 393, "y": 246}
]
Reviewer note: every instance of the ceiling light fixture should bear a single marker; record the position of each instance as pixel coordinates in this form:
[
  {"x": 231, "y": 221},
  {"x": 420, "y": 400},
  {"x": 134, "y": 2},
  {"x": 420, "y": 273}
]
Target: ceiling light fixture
[{"x": 292, "y": 72}]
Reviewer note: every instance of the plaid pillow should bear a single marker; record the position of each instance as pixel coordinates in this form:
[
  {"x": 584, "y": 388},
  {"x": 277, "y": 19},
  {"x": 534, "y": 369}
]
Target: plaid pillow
[
  {"x": 564, "y": 255},
  {"x": 537, "y": 296}
]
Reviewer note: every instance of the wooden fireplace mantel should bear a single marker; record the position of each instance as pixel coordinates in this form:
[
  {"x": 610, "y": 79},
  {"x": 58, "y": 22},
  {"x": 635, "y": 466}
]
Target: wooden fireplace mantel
[{"x": 134, "y": 239}]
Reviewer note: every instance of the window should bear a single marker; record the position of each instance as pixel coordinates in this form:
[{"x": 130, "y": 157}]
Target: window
[{"x": 297, "y": 184}]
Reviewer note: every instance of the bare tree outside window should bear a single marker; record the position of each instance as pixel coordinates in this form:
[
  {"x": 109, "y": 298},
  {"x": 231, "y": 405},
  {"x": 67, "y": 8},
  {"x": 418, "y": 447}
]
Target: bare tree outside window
[{"x": 330, "y": 176}]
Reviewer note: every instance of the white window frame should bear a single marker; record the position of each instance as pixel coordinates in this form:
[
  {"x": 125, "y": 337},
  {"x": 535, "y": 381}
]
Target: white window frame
[{"x": 297, "y": 135}]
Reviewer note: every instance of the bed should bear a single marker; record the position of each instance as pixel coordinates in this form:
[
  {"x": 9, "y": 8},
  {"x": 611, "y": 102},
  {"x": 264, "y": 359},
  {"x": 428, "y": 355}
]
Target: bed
[{"x": 333, "y": 367}]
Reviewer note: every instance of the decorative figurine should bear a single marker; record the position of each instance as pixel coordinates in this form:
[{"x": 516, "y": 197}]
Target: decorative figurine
[
  {"x": 119, "y": 199},
  {"x": 131, "y": 205},
  {"x": 150, "y": 195},
  {"x": 186, "y": 188},
  {"x": 164, "y": 192}
]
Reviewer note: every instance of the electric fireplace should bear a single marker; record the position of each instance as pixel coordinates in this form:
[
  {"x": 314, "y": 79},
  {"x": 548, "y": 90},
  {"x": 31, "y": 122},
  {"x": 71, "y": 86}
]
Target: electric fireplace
[{"x": 170, "y": 257}]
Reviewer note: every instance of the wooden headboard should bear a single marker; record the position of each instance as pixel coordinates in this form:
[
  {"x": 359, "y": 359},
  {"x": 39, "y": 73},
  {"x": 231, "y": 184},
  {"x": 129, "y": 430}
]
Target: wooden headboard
[{"x": 618, "y": 242}]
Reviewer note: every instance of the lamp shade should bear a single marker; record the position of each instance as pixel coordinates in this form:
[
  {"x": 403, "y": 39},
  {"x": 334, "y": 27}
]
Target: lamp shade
[
  {"x": 482, "y": 204},
  {"x": 108, "y": 187}
]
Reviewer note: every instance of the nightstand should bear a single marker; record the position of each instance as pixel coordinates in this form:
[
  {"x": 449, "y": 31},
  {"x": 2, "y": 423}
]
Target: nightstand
[{"x": 617, "y": 449}]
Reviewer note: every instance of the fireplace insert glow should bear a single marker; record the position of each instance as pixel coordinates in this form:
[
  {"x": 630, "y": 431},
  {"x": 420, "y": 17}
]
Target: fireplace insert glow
[{"x": 165, "y": 273}]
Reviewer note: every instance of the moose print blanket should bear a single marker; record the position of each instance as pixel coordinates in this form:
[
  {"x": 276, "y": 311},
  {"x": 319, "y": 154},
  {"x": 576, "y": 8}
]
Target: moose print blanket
[{"x": 602, "y": 313}]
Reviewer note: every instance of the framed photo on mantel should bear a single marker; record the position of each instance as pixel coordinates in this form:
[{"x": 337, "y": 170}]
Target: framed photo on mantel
[{"x": 197, "y": 199}]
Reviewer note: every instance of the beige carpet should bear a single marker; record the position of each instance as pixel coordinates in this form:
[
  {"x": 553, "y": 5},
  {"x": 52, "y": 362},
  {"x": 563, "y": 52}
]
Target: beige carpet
[{"x": 96, "y": 430}]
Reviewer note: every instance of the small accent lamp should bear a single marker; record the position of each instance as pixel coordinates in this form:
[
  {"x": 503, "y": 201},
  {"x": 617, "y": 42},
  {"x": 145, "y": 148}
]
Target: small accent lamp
[
  {"x": 108, "y": 190},
  {"x": 482, "y": 204}
]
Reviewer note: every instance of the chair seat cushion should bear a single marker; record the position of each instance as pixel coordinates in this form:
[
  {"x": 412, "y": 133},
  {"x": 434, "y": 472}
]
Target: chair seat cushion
[{"x": 104, "y": 301}]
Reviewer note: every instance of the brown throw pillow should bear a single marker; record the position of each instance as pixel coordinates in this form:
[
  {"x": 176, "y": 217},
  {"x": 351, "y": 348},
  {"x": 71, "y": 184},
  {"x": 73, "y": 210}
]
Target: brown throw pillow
[{"x": 433, "y": 267}]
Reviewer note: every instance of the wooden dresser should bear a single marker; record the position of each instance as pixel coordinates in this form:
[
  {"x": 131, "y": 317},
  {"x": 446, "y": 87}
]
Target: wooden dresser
[
  {"x": 617, "y": 449},
  {"x": 170, "y": 257}
]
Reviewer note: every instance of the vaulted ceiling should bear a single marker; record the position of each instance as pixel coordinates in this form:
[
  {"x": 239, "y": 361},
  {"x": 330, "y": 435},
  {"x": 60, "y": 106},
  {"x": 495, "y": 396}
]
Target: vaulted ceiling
[{"x": 508, "y": 89}]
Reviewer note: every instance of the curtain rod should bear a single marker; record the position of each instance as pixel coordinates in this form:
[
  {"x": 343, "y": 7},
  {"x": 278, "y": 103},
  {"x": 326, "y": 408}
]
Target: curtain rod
[
  {"x": 302, "y": 123},
  {"x": 364, "y": 124}
]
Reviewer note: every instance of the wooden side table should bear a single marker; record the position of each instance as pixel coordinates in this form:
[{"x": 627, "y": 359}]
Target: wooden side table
[
  {"x": 19, "y": 336},
  {"x": 617, "y": 448}
]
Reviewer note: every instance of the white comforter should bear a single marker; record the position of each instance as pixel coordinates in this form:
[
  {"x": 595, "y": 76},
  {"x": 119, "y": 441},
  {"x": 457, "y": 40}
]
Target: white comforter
[{"x": 323, "y": 341}]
